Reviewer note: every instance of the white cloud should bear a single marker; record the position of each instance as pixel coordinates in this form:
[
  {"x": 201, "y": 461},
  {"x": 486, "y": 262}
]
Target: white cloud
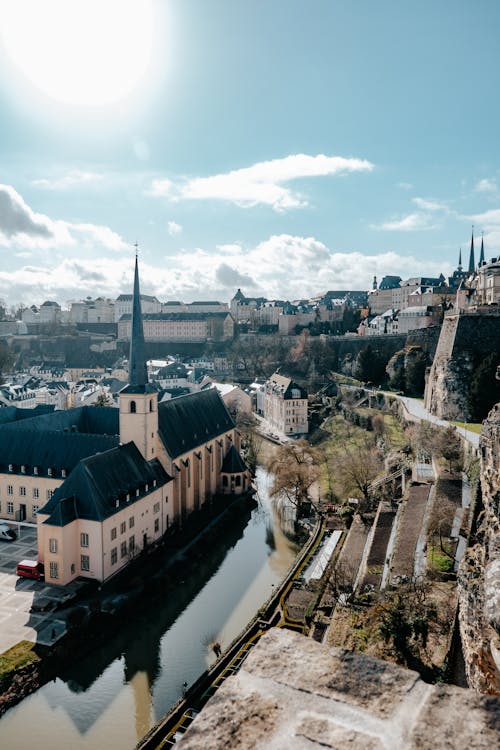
[
  {"x": 486, "y": 185},
  {"x": 262, "y": 183},
  {"x": 411, "y": 223},
  {"x": 429, "y": 205},
  {"x": 23, "y": 228},
  {"x": 174, "y": 228},
  {"x": 75, "y": 177},
  {"x": 280, "y": 267},
  {"x": 405, "y": 185},
  {"x": 487, "y": 219}
]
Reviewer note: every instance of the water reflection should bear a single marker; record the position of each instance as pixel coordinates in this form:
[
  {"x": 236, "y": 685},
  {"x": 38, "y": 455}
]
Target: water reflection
[{"x": 113, "y": 697}]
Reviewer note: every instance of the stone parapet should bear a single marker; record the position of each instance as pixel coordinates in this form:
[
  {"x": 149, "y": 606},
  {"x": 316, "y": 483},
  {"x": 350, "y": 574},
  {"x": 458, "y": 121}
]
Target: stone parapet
[{"x": 293, "y": 692}]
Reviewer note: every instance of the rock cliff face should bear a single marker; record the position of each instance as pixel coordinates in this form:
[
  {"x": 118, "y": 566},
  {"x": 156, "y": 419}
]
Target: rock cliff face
[
  {"x": 463, "y": 340},
  {"x": 479, "y": 573}
]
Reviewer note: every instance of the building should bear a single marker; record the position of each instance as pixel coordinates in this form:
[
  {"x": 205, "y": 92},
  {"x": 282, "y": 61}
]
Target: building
[
  {"x": 92, "y": 311},
  {"x": 488, "y": 283},
  {"x": 104, "y": 483},
  {"x": 123, "y": 305},
  {"x": 181, "y": 327},
  {"x": 285, "y": 405}
]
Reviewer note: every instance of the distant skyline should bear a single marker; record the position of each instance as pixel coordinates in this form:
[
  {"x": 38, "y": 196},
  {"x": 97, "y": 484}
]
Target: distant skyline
[{"x": 282, "y": 146}]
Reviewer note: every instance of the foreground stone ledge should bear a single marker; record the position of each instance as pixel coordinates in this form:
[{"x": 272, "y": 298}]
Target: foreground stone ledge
[{"x": 293, "y": 692}]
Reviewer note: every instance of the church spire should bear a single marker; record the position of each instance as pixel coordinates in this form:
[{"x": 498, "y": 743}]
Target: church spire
[
  {"x": 460, "y": 260},
  {"x": 481, "y": 256},
  {"x": 472, "y": 264},
  {"x": 137, "y": 369}
]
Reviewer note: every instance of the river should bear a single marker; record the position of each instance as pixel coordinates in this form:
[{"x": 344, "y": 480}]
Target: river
[{"x": 112, "y": 697}]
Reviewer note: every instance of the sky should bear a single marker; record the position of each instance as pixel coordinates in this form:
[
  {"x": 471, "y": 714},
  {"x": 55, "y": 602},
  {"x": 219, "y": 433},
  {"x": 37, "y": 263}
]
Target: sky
[{"x": 285, "y": 147}]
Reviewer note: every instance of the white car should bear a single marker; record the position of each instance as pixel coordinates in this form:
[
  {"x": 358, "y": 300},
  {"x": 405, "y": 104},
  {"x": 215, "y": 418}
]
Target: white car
[{"x": 6, "y": 533}]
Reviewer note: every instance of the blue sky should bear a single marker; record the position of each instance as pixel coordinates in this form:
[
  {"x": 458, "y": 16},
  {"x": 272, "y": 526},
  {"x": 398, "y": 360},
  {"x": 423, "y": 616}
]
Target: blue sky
[{"x": 282, "y": 146}]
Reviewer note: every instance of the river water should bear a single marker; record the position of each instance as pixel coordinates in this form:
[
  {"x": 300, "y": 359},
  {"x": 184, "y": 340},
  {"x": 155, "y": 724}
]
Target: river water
[{"x": 113, "y": 696}]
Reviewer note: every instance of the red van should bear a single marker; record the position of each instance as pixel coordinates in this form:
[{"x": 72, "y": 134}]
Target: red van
[{"x": 30, "y": 569}]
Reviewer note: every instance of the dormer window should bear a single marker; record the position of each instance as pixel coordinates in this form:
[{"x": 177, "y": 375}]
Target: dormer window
[
  {"x": 35, "y": 470},
  {"x": 128, "y": 497},
  {"x": 137, "y": 492},
  {"x": 63, "y": 473},
  {"x": 49, "y": 472},
  {"x": 146, "y": 489},
  {"x": 23, "y": 469},
  {"x": 117, "y": 503},
  {"x": 10, "y": 467}
]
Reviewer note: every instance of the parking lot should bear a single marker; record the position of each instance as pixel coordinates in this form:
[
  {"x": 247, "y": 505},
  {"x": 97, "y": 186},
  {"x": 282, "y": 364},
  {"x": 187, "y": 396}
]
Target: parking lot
[{"x": 19, "y": 595}]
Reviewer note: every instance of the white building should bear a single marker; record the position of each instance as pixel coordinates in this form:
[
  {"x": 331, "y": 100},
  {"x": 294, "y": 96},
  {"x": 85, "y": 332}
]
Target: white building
[{"x": 285, "y": 405}]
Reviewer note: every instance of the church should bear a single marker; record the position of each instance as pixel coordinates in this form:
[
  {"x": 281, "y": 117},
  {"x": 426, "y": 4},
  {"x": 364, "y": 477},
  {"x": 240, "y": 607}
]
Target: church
[{"x": 102, "y": 483}]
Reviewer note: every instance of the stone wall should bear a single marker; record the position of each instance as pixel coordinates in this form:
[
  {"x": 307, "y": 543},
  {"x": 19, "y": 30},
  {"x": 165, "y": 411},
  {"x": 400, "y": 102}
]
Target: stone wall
[
  {"x": 464, "y": 339},
  {"x": 479, "y": 573},
  {"x": 293, "y": 692}
]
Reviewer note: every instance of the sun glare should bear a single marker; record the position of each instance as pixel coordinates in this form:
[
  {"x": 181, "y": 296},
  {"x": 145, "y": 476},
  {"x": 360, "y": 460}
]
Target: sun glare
[{"x": 80, "y": 52}]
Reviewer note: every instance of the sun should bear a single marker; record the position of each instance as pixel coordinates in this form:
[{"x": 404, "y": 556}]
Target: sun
[{"x": 79, "y": 52}]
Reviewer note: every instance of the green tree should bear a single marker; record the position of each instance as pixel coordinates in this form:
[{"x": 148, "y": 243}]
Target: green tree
[
  {"x": 370, "y": 366},
  {"x": 484, "y": 390},
  {"x": 415, "y": 373}
]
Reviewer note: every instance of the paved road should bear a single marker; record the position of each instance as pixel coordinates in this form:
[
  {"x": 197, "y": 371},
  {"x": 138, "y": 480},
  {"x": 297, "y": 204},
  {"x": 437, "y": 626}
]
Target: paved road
[
  {"x": 416, "y": 407},
  {"x": 17, "y": 596}
]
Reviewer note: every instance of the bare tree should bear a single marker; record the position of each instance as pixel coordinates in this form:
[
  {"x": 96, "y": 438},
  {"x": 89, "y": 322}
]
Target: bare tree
[
  {"x": 357, "y": 466},
  {"x": 296, "y": 469}
]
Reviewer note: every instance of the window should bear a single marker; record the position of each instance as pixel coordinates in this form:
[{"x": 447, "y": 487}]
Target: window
[
  {"x": 84, "y": 540},
  {"x": 49, "y": 494},
  {"x": 53, "y": 545},
  {"x": 123, "y": 549},
  {"x": 36, "y": 493},
  {"x": 131, "y": 545},
  {"x": 123, "y": 527},
  {"x": 132, "y": 407},
  {"x": 10, "y": 489},
  {"x": 49, "y": 472},
  {"x": 131, "y": 522},
  {"x": 114, "y": 556},
  {"x": 54, "y": 570},
  {"x": 150, "y": 404},
  {"x": 156, "y": 508},
  {"x": 84, "y": 562},
  {"x": 157, "y": 525},
  {"x": 113, "y": 533},
  {"x": 10, "y": 507},
  {"x": 22, "y": 491},
  {"x": 34, "y": 510},
  {"x": 35, "y": 470}
]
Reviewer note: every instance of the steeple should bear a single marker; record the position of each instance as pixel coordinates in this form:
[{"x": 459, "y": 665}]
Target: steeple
[
  {"x": 137, "y": 369},
  {"x": 472, "y": 264},
  {"x": 481, "y": 255},
  {"x": 460, "y": 260}
]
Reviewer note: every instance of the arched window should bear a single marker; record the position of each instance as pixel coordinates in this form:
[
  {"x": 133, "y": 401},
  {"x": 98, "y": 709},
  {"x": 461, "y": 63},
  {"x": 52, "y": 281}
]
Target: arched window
[
  {"x": 132, "y": 407},
  {"x": 238, "y": 480},
  {"x": 224, "y": 481},
  {"x": 150, "y": 404}
]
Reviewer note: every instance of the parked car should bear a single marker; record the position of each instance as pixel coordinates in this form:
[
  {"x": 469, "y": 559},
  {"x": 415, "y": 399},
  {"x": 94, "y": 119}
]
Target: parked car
[
  {"x": 30, "y": 569},
  {"x": 6, "y": 533}
]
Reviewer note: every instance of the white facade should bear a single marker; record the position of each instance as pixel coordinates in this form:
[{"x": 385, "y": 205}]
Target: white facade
[{"x": 285, "y": 406}]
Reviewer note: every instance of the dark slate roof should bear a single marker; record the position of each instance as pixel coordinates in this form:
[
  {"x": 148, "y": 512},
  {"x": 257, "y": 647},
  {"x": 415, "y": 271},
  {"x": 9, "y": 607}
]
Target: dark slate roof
[
  {"x": 55, "y": 450},
  {"x": 92, "y": 489},
  {"x": 233, "y": 462},
  {"x": 144, "y": 297},
  {"x": 189, "y": 421},
  {"x": 10, "y": 414},
  {"x": 178, "y": 316},
  {"x": 91, "y": 420}
]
